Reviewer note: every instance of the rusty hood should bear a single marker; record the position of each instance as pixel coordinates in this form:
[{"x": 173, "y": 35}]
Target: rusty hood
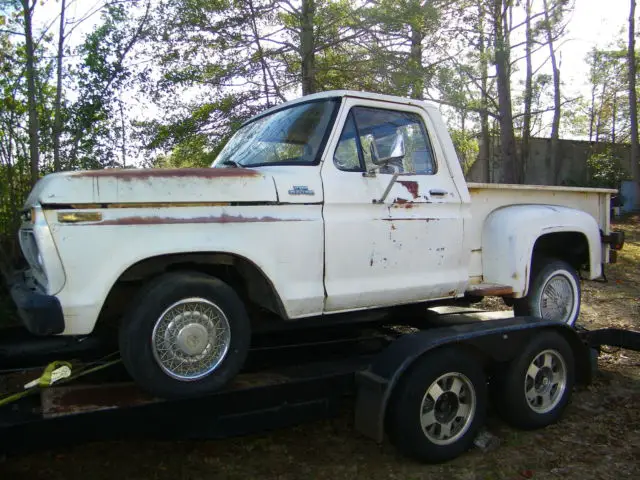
[{"x": 185, "y": 185}]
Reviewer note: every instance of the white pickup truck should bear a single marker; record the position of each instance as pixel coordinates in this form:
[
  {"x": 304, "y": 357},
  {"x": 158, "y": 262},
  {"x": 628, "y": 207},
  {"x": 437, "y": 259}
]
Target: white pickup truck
[{"x": 335, "y": 202}]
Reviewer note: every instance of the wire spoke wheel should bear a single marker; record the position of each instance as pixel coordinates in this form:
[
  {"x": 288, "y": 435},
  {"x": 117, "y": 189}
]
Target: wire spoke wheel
[
  {"x": 191, "y": 339},
  {"x": 545, "y": 381},
  {"x": 448, "y": 408},
  {"x": 557, "y": 299}
]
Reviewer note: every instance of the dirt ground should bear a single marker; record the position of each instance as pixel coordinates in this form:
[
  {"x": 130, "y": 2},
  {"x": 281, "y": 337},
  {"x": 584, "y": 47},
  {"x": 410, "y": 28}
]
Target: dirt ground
[{"x": 599, "y": 438}]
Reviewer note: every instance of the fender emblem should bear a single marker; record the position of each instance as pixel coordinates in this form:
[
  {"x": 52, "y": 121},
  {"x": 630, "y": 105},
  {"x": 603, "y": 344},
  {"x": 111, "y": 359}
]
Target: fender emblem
[{"x": 300, "y": 190}]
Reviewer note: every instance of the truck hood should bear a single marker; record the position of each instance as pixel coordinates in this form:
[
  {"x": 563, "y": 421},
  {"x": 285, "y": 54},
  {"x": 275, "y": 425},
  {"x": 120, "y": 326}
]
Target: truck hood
[{"x": 187, "y": 185}]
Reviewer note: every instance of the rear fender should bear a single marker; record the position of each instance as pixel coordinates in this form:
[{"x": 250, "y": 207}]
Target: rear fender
[{"x": 509, "y": 235}]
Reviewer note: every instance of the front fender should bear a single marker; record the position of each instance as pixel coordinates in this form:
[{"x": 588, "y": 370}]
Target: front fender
[{"x": 510, "y": 233}]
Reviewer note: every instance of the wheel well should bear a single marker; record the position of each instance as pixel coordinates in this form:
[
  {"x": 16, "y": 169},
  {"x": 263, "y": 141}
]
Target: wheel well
[
  {"x": 253, "y": 286},
  {"x": 572, "y": 247}
]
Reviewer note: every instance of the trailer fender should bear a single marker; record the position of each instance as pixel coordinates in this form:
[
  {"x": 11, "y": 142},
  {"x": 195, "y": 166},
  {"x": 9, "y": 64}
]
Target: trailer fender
[{"x": 496, "y": 341}]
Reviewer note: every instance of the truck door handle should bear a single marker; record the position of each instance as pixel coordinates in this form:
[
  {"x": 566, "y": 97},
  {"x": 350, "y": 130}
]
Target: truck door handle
[{"x": 438, "y": 192}]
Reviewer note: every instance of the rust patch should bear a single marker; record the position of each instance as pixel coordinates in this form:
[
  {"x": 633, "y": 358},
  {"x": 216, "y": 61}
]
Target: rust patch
[
  {"x": 79, "y": 399},
  {"x": 412, "y": 186},
  {"x": 451, "y": 293},
  {"x": 416, "y": 219},
  {"x": 489, "y": 290},
  {"x": 400, "y": 201},
  {"x": 224, "y": 218},
  {"x": 393, "y": 227},
  {"x": 127, "y": 174}
]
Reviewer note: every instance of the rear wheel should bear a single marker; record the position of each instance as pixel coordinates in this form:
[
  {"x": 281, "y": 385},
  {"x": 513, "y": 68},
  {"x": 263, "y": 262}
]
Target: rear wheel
[
  {"x": 536, "y": 386},
  {"x": 187, "y": 334},
  {"x": 438, "y": 406},
  {"x": 554, "y": 292}
]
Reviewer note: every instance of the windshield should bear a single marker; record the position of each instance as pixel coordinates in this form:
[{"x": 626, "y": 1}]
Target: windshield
[{"x": 292, "y": 136}]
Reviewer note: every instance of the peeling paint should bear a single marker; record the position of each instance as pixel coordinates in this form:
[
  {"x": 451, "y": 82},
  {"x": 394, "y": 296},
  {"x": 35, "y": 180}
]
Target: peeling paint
[
  {"x": 410, "y": 219},
  {"x": 224, "y": 218},
  {"x": 411, "y": 186},
  {"x": 127, "y": 175}
]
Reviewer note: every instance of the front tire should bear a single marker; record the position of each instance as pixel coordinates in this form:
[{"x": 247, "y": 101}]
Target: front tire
[
  {"x": 187, "y": 334},
  {"x": 554, "y": 292},
  {"x": 438, "y": 406}
]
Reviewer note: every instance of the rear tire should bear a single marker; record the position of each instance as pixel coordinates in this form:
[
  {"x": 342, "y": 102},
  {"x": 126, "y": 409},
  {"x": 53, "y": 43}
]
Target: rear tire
[
  {"x": 188, "y": 334},
  {"x": 554, "y": 292},
  {"x": 438, "y": 406}
]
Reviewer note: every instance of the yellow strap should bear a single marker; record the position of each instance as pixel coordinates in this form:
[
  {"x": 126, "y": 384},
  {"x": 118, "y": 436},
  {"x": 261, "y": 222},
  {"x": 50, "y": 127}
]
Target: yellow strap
[{"x": 50, "y": 376}]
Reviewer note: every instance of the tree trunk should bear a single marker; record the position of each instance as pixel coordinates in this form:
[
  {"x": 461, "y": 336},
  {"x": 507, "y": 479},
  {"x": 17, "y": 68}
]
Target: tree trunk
[
  {"x": 123, "y": 133},
  {"x": 502, "y": 63},
  {"x": 552, "y": 153},
  {"x": 528, "y": 95},
  {"x": 483, "y": 153},
  {"x": 592, "y": 112},
  {"x": 34, "y": 147},
  {"x": 307, "y": 47},
  {"x": 633, "y": 104},
  {"x": 415, "y": 64},
  {"x": 614, "y": 112},
  {"x": 57, "y": 107}
]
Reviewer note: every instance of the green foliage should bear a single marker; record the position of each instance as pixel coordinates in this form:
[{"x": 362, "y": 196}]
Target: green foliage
[
  {"x": 605, "y": 170},
  {"x": 467, "y": 147}
]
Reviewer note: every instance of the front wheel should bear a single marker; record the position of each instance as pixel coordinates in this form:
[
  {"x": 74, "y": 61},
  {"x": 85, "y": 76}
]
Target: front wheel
[
  {"x": 438, "y": 406},
  {"x": 187, "y": 334},
  {"x": 554, "y": 292}
]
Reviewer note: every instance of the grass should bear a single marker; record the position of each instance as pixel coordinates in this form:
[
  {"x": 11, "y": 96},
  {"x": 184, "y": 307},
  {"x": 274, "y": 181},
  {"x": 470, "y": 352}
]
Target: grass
[{"x": 599, "y": 437}]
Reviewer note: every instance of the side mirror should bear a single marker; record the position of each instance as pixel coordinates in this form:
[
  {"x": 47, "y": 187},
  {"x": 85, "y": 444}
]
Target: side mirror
[{"x": 392, "y": 148}]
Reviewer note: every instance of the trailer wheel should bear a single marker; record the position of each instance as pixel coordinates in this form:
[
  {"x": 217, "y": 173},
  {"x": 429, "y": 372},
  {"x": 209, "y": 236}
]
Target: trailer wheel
[
  {"x": 554, "y": 292},
  {"x": 536, "y": 387},
  {"x": 187, "y": 334},
  {"x": 438, "y": 406}
]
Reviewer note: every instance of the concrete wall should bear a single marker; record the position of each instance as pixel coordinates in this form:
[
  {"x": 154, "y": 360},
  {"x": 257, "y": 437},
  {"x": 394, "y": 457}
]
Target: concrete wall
[{"x": 572, "y": 162}]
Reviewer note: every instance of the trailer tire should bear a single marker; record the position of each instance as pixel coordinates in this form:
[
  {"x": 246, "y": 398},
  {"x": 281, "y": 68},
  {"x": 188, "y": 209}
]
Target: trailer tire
[
  {"x": 187, "y": 334},
  {"x": 535, "y": 388},
  {"x": 565, "y": 307},
  {"x": 443, "y": 393}
]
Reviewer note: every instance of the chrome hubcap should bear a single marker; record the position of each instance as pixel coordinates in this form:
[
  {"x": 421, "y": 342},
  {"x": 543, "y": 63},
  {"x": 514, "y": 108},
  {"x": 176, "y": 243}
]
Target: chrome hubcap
[
  {"x": 190, "y": 339},
  {"x": 545, "y": 381},
  {"x": 448, "y": 408}
]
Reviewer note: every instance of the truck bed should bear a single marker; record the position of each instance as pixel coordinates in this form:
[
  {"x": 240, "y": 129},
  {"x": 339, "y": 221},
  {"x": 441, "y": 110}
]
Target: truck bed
[{"x": 487, "y": 197}]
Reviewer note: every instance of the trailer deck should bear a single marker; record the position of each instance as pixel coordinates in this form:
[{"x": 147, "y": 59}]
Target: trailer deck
[{"x": 303, "y": 376}]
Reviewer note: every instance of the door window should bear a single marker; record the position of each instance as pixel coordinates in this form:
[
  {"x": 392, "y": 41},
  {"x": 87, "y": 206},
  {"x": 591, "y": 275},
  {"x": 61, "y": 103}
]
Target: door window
[{"x": 371, "y": 132}]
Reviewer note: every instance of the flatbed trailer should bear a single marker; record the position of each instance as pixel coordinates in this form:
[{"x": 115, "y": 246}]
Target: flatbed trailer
[{"x": 309, "y": 374}]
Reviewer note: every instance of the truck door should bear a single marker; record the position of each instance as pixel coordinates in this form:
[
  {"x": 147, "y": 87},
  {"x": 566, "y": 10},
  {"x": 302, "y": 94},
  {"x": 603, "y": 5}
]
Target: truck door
[{"x": 389, "y": 242}]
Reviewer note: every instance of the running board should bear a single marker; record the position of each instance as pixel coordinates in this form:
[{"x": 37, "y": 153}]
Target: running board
[{"x": 489, "y": 290}]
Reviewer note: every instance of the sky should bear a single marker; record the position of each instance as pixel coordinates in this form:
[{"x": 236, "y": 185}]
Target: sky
[{"x": 593, "y": 23}]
